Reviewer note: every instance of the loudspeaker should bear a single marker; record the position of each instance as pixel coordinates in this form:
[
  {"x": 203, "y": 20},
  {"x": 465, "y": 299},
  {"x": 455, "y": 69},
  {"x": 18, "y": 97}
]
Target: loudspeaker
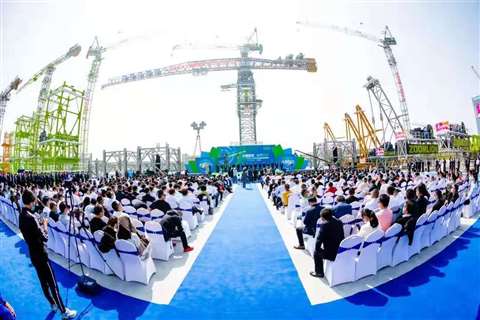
[{"x": 335, "y": 155}]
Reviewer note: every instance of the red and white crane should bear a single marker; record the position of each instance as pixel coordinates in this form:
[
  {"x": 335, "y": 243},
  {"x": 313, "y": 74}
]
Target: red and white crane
[{"x": 385, "y": 42}]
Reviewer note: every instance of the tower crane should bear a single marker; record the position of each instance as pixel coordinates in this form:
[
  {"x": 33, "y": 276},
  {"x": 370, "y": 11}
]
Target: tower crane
[
  {"x": 5, "y": 97},
  {"x": 96, "y": 51},
  {"x": 385, "y": 42},
  {"x": 247, "y": 102}
]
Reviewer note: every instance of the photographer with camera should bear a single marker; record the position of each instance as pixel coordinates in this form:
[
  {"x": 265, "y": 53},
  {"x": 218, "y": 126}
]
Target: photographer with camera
[{"x": 35, "y": 239}]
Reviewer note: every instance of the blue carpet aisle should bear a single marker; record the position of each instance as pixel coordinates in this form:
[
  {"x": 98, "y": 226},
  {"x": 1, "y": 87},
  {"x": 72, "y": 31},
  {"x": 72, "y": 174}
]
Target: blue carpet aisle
[{"x": 244, "y": 271}]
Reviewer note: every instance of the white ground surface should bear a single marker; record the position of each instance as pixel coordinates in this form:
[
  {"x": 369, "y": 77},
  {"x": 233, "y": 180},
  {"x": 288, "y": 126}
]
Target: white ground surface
[
  {"x": 319, "y": 292},
  {"x": 170, "y": 274}
]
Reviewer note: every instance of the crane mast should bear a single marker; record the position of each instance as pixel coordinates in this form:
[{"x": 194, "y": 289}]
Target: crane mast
[
  {"x": 247, "y": 100},
  {"x": 95, "y": 51},
  {"x": 5, "y": 97}
]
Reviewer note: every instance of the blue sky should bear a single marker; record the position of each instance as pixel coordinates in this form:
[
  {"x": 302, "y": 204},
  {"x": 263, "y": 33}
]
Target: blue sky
[{"x": 437, "y": 43}]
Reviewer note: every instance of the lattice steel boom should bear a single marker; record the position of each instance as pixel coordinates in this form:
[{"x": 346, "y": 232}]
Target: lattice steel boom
[
  {"x": 247, "y": 102},
  {"x": 386, "y": 42}
]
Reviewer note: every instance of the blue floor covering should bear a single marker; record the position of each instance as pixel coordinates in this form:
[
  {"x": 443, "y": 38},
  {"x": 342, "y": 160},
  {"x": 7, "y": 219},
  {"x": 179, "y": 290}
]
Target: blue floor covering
[{"x": 245, "y": 272}]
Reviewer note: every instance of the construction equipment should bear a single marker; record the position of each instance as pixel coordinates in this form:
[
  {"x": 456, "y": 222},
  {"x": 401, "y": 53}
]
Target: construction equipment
[
  {"x": 7, "y": 152},
  {"x": 385, "y": 42},
  {"x": 39, "y": 124},
  {"x": 393, "y": 123},
  {"x": 247, "y": 101},
  {"x": 96, "y": 51},
  {"x": 5, "y": 97},
  {"x": 363, "y": 132},
  {"x": 476, "y": 72}
]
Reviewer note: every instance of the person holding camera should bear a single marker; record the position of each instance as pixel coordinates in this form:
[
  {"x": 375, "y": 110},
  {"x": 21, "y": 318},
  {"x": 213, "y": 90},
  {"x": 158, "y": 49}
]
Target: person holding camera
[{"x": 35, "y": 239}]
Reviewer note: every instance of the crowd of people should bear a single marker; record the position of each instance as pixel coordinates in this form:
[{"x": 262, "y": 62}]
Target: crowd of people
[
  {"x": 378, "y": 198},
  {"x": 80, "y": 202}
]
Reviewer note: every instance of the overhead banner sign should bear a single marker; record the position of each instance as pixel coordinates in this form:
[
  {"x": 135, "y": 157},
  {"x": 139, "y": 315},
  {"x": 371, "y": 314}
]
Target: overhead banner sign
[
  {"x": 247, "y": 155},
  {"x": 476, "y": 106},
  {"x": 414, "y": 148},
  {"x": 442, "y": 127},
  {"x": 461, "y": 143}
]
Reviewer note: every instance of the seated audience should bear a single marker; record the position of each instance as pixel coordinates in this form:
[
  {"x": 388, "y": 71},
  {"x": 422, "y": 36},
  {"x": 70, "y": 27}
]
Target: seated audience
[
  {"x": 171, "y": 224},
  {"x": 370, "y": 223},
  {"x": 341, "y": 208},
  {"x": 384, "y": 214},
  {"x": 328, "y": 241},
  {"x": 309, "y": 222},
  {"x": 97, "y": 223}
]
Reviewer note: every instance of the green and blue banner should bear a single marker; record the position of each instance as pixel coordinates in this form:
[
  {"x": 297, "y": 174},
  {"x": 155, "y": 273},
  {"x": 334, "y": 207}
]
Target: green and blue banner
[{"x": 247, "y": 155}]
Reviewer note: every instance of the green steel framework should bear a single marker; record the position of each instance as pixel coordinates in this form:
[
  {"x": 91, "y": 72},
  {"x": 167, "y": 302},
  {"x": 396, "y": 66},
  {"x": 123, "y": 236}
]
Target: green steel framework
[{"x": 50, "y": 141}]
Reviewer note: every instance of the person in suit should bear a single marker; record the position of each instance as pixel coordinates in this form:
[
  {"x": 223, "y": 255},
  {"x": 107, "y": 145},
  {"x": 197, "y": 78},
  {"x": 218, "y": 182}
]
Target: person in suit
[
  {"x": 309, "y": 222},
  {"x": 341, "y": 208},
  {"x": 408, "y": 219},
  {"x": 35, "y": 239},
  {"x": 328, "y": 240},
  {"x": 440, "y": 201},
  {"x": 351, "y": 196},
  {"x": 96, "y": 223},
  {"x": 171, "y": 224},
  {"x": 161, "y": 204}
]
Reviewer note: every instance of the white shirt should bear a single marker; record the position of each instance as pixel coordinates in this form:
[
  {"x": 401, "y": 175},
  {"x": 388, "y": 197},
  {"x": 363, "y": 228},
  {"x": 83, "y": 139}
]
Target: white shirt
[{"x": 365, "y": 230}]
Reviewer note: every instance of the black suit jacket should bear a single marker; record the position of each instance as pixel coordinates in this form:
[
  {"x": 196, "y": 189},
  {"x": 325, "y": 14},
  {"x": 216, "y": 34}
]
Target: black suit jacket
[
  {"x": 330, "y": 235},
  {"x": 34, "y": 237},
  {"x": 310, "y": 221}
]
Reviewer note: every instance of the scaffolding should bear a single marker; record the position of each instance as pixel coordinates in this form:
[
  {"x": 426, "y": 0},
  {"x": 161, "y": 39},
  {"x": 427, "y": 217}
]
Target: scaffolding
[
  {"x": 142, "y": 160},
  {"x": 50, "y": 139},
  {"x": 7, "y": 152}
]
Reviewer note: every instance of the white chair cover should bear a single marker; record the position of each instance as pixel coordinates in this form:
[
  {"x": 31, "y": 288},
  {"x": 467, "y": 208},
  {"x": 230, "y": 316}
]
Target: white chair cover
[
  {"x": 417, "y": 236},
  {"x": 136, "y": 268},
  {"x": 427, "y": 231},
  {"x": 161, "y": 249},
  {"x": 348, "y": 221},
  {"x": 96, "y": 260},
  {"x": 60, "y": 233},
  {"x": 51, "y": 234},
  {"x": 125, "y": 202},
  {"x": 343, "y": 268},
  {"x": 111, "y": 257},
  {"x": 156, "y": 214},
  {"x": 385, "y": 252},
  {"x": 138, "y": 225},
  {"x": 143, "y": 214},
  {"x": 366, "y": 262}
]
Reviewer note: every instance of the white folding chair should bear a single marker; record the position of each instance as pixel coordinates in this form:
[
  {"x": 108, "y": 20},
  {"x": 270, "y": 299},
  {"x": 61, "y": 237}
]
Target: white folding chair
[
  {"x": 161, "y": 249},
  {"x": 437, "y": 229},
  {"x": 347, "y": 220},
  {"x": 96, "y": 260},
  {"x": 156, "y": 215},
  {"x": 189, "y": 217},
  {"x": 143, "y": 214},
  {"x": 136, "y": 268},
  {"x": 51, "y": 235},
  {"x": 400, "y": 251},
  {"x": 417, "y": 236},
  {"x": 60, "y": 233},
  {"x": 138, "y": 225},
  {"x": 342, "y": 269},
  {"x": 428, "y": 229},
  {"x": 385, "y": 252},
  {"x": 366, "y": 262},
  {"x": 112, "y": 258}
]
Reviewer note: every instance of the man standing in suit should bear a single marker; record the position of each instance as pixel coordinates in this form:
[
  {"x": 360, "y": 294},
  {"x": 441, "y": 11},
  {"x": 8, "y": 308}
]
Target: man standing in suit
[
  {"x": 341, "y": 208},
  {"x": 309, "y": 221},
  {"x": 328, "y": 240},
  {"x": 35, "y": 239}
]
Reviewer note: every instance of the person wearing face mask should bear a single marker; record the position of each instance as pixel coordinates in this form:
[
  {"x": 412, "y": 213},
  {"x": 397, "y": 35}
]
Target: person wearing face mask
[
  {"x": 330, "y": 234},
  {"x": 309, "y": 222}
]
